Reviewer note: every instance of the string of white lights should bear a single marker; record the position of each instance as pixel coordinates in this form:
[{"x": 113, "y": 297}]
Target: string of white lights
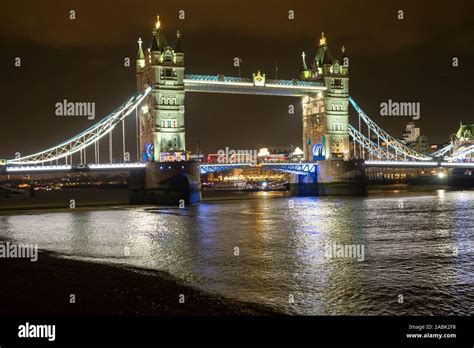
[
  {"x": 87, "y": 138},
  {"x": 392, "y": 142}
]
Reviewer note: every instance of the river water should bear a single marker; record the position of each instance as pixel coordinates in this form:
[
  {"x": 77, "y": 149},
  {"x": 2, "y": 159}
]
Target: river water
[{"x": 416, "y": 251}]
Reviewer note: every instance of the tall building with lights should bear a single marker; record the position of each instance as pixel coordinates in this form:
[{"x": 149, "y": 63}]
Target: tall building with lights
[
  {"x": 161, "y": 118},
  {"x": 326, "y": 114}
]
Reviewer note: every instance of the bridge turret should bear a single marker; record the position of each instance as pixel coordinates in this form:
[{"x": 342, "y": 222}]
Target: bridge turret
[
  {"x": 305, "y": 73},
  {"x": 162, "y": 132},
  {"x": 178, "y": 48},
  {"x": 140, "y": 66},
  {"x": 337, "y": 107},
  {"x": 159, "y": 41},
  {"x": 326, "y": 115},
  {"x": 323, "y": 56},
  {"x": 140, "y": 56},
  {"x": 344, "y": 62}
]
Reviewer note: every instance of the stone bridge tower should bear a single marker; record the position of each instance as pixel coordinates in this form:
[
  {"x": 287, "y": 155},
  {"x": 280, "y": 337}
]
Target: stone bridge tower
[
  {"x": 326, "y": 114},
  {"x": 161, "y": 128},
  {"x": 161, "y": 120}
]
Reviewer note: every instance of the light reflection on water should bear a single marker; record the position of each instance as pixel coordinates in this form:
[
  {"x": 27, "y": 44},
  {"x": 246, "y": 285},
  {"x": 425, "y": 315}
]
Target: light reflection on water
[{"x": 410, "y": 249}]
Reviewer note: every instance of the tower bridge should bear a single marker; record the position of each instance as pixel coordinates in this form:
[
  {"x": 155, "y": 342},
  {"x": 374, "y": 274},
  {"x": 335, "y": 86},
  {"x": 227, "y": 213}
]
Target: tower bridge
[{"x": 335, "y": 151}]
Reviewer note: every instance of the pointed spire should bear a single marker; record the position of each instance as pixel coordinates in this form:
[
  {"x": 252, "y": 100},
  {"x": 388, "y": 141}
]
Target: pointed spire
[
  {"x": 178, "y": 47},
  {"x": 304, "y": 66},
  {"x": 323, "y": 55},
  {"x": 158, "y": 42},
  {"x": 140, "y": 54},
  {"x": 154, "y": 44},
  {"x": 343, "y": 58},
  {"x": 158, "y": 23},
  {"x": 322, "y": 40}
]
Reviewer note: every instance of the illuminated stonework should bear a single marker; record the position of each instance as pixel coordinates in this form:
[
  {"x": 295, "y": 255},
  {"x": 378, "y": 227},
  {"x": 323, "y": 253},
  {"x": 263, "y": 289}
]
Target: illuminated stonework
[
  {"x": 326, "y": 114},
  {"x": 162, "y": 131},
  {"x": 259, "y": 79},
  {"x": 322, "y": 40}
]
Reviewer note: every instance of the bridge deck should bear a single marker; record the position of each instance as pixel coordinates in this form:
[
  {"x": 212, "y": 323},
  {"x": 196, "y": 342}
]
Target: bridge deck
[
  {"x": 305, "y": 168},
  {"x": 239, "y": 85},
  {"x": 419, "y": 164}
]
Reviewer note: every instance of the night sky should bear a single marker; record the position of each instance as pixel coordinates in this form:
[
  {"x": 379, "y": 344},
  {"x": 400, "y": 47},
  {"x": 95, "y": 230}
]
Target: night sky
[{"x": 82, "y": 60}]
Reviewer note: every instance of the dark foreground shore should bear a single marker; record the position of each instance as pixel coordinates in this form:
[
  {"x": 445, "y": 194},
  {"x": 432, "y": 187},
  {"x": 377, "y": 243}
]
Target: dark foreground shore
[{"x": 44, "y": 288}]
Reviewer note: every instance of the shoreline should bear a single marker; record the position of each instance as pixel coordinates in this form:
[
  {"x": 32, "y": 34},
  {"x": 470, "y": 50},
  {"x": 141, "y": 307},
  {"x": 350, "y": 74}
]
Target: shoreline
[{"x": 45, "y": 287}]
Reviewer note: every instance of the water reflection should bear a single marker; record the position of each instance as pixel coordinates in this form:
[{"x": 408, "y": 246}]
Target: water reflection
[{"x": 408, "y": 249}]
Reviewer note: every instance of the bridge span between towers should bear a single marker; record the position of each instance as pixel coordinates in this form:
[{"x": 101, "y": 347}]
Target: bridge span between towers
[
  {"x": 257, "y": 85},
  {"x": 299, "y": 168}
]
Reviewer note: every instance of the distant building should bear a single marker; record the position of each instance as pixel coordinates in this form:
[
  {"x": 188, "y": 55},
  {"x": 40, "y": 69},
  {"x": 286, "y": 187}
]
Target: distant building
[
  {"x": 278, "y": 150},
  {"x": 281, "y": 154},
  {"x": 411, "y": 133},
  {"x": 297, "y": 155},
  {"x": 421, "y": 144},
  {"x": 436, "y": 147},
  {"x": 413, "y": 138}
]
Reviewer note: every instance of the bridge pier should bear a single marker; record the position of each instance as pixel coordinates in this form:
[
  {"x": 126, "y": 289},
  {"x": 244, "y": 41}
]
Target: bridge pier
[
  {"x": 304, "y": 185},
  {"x": 167, "y": 183},
  {"x": 460, "y": 178},
  {"x": 338, "y": 178}
]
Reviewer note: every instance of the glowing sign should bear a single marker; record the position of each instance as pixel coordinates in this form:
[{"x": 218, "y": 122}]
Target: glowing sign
[
  {"x": 149, "y": 153},
  {"x": 319, "y": 152}
]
